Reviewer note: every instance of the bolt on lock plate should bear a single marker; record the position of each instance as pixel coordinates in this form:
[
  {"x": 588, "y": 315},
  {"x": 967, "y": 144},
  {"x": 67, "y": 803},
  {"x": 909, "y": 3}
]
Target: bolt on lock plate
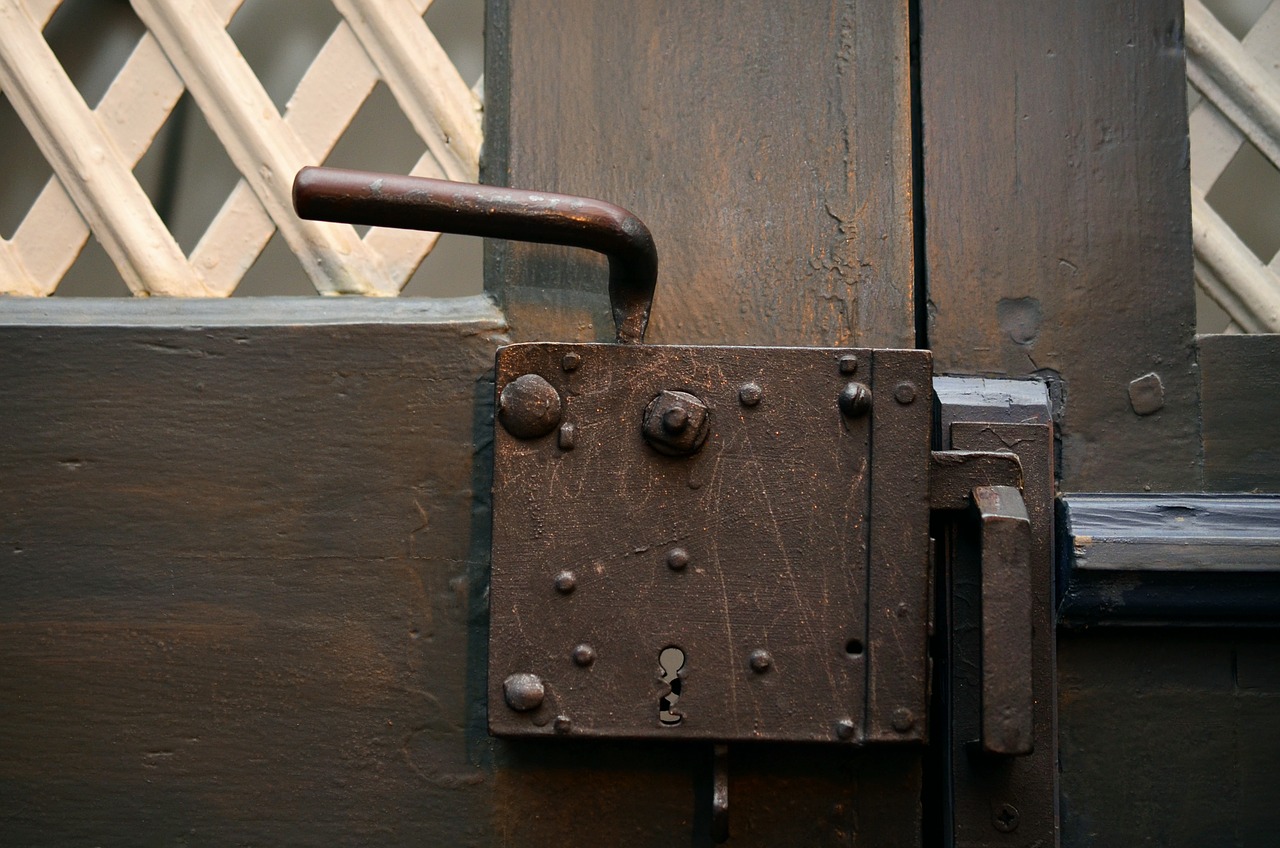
[{"x": 717, "y": 501}]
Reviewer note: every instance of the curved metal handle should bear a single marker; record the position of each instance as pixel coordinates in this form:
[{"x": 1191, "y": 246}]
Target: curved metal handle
[{"x": 418, "y": 203}]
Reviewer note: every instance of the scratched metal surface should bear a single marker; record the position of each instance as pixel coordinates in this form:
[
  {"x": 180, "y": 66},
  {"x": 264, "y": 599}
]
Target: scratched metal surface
[{"x": 772, "y": 512}]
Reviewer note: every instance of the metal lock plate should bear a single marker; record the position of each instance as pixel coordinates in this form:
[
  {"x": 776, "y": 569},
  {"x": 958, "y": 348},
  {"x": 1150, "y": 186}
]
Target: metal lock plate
[
  {"x": 682, "y": 545},
  {"x": 792, "y": 616}
]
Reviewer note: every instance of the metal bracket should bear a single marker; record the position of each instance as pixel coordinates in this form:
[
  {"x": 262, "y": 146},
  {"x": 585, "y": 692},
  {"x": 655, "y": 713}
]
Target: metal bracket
[{"x": 996, "y": 623}]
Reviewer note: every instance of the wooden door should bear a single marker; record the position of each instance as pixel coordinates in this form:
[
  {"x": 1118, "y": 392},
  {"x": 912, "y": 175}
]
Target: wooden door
[{"x": 244, "y": 546}]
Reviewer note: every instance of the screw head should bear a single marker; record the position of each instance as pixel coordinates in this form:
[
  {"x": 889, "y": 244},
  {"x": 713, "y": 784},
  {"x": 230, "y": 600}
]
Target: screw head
[
  {"x": 1006, "y": 818},
  {"x": 903, "y": 719},
  {"x": 584, "y": 655},
  {"x": 848, "y": 364},
  {"x": 761, "y": 661},
  {"x": 855, "y": 400},
  {"x": 677, "y": 558},
  {"x": 904, "y": 393},
  {"x": 571, "y": 361},
  {"x": 676, "y": 423},
  {"x": 749, "y": 394},
  {"x": 523, "y": 692},
  {"x": 845, "y": 728},
  {"x": 566, "y": 582},
  {"x": 529, "y": 407},
  {"x": 568, "y": 437},
  {"x": 675, "y": 420}
]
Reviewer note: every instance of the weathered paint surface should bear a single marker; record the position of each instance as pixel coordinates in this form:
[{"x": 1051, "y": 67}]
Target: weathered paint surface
[
  {"x": 766, "y": 145},
  {"x": 1057, "y": 223}
]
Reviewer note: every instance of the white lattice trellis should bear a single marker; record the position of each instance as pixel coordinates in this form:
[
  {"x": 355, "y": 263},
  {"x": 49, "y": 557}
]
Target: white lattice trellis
[
  {"x": 1240, "y": 85},
  {"x": 93, "y": 152}
]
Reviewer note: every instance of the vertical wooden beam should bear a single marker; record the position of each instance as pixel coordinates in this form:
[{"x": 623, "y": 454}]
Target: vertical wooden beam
[
  {"x": 766, "y": 145},
  {"x": 1057, "y": 222}
]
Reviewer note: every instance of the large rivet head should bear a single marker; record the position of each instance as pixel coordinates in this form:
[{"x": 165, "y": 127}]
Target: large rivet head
[
  {"x": 523, "y": 692},
  {"x": 529, "y": 407},
  {"x": 855, "y": 400},
  {"x": 676, "y": 423}
]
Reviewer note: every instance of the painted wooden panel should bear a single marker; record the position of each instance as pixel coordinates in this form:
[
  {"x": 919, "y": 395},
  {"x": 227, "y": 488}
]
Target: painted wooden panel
[
  {"x": 1057, "y": 223},
  {"x": 766, "y": 145},
  {"x": 1241, "y": 412},
  {"x": 238, "y": 572}
]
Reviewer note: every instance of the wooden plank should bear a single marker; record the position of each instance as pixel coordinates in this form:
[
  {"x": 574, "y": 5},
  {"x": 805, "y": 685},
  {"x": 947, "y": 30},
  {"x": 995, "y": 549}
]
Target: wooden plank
[
  {"x": 1057, "y": 222},
  {"x": 1169, "y": 737},
  {"x": 238, "y": 571},
  {"x": 1241, "y": 389},
  {"x": 766, "y": 145}
]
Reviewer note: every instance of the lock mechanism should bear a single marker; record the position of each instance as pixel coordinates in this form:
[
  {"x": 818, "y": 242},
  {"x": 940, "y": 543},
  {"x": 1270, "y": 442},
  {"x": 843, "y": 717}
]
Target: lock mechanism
[{"x": 715, "y": 543}]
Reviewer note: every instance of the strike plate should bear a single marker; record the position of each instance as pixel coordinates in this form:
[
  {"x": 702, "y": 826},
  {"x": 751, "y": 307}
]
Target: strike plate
[{"x": 737, "y": 592}]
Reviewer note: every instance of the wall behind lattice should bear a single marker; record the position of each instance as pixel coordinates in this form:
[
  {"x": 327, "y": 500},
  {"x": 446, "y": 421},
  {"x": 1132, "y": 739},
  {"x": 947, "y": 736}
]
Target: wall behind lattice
[{"x": 196, "y": 122}]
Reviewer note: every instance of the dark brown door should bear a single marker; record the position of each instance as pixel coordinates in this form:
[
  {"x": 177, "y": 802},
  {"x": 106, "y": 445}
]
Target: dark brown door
[{"x": 244, "y": 547}]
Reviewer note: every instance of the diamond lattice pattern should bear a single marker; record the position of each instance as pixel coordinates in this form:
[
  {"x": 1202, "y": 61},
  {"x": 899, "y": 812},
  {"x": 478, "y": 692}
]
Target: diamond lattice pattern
[{"x": 186, "y": 48}]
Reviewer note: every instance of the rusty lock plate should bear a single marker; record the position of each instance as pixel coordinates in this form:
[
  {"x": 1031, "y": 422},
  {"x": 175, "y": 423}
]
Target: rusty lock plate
[{"x": 720, "y": 594}]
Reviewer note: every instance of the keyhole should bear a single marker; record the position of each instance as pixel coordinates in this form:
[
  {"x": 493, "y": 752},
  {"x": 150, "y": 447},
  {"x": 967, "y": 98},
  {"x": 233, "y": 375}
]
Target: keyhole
[{"x": 671, "y": 660}]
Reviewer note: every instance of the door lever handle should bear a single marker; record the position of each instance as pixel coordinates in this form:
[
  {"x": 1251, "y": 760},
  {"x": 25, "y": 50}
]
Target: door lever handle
[
  {"x": 1007, "y": 697},
  {"x": 419, "y": 203}
]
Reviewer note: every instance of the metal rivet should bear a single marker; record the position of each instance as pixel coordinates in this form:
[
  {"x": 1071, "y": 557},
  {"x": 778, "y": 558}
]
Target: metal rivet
[
  {"x": 675, "y": 420},
  {"x": 848, "y": 364},
  {"x": 760, "y": 661},
  {"x": 566, "y": 582},
  {"x": 904, "y": 392},
  {"x": 676, "y": 423},
  {"x": 523, "y": 692},
  {"x": 677, "y": 558},
  {"x": 855, "y": 400},
  {"x": 571, "y": 361},
  {"x": 749, "y": 394},
  {"x": 903, "y": 719},
  {"x": 584, "y": 655},
  {"x": 845, "y": 729},
  {"x": 1006, "y": 818},
  {"x": 568, "y": 436},
  {"x": 563, "y": 724},
  {"x": 1146, "y": 394},
  {"x": 529, "y": 407}
]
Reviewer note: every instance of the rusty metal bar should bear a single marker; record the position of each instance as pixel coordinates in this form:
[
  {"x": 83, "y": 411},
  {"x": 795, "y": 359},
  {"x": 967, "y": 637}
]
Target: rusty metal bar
[
  {"x": 953, "y": 475},
  {"x": 418, "y": 203},
  {"x": 1007, "y": 696}
]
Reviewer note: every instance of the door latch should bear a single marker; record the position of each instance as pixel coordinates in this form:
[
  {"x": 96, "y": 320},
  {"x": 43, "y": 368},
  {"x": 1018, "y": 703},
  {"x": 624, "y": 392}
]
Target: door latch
[{"x": 726, "y": 544}]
